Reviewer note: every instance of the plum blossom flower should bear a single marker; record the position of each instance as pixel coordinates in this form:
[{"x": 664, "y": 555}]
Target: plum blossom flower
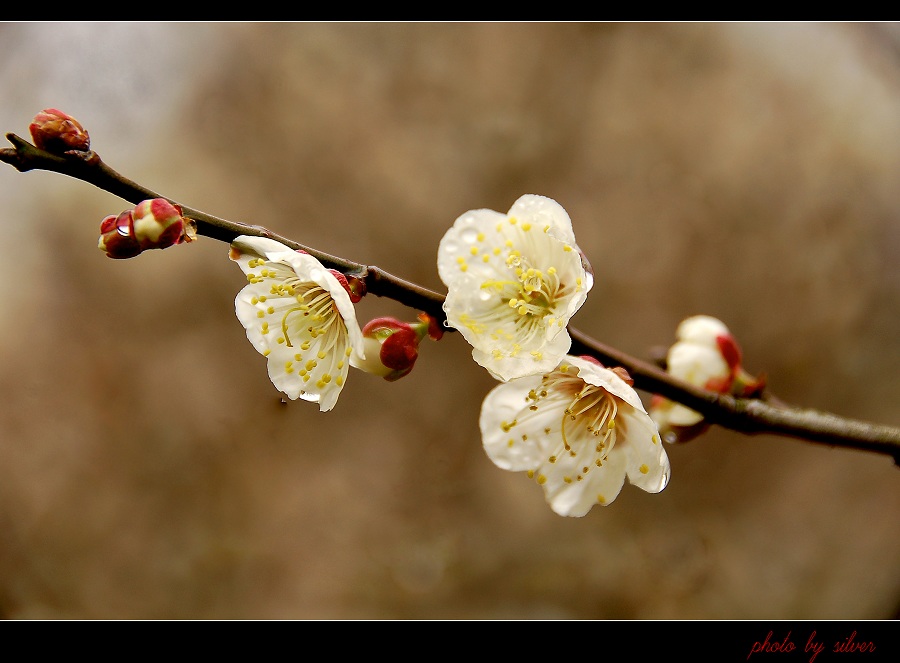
[
  {"x": 578, "y": 430},
  {"x": 513, "y": 281},
  {"x": 300, "y": 316},
  {"x": 707, "y": 355}
]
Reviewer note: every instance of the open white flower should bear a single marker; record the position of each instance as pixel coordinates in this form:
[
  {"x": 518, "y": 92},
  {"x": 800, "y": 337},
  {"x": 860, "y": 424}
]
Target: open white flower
[
  {"x": 513, "y": 281},
  {"x": 298, "y": 315},
  {"x": 578, "y": 430}
]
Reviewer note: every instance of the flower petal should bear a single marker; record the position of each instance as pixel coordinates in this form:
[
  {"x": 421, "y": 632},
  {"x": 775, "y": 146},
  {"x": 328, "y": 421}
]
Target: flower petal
[
  {"x": 599, "y": 376},
  {"x": 648, "y": 465},
  {"x": 513, "y": 437},
  {"x": 600, "y": 486}
]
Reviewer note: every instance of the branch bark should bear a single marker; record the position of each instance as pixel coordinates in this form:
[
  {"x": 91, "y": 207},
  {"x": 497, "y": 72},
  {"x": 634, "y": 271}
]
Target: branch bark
[{"x": 750, "y": 416}]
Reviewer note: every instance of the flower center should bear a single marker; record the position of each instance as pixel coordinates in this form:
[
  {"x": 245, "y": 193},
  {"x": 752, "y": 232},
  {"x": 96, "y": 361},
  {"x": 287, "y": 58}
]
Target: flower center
[
  {"x": 317, "y": 309},
  {"x": 533, "y": 295},
  {"x": 588, "y": 424},
  {"x": 587, "y": 420},
  {"x": 310, "y": 324}
]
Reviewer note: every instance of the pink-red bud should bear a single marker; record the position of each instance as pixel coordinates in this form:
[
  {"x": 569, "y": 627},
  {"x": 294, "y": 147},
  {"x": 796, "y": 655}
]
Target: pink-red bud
[
  {"x": 396, "y": 345},
  {"x": 55, "y": 131},
  {"x": 116, "y": 237},
  {"x": 622, "y": 373},
  {"x": 152, "y": 224},
  {"x": 392, "y": 346},
  {"x": 400, "y": 350},
  {"x": 357, "y": 288},
  {"x": 730, "y": 350},
  {"x": 435, "y": 332},
  {"x": 158, "y": 224},
  {"x": 342, "y": 279}
]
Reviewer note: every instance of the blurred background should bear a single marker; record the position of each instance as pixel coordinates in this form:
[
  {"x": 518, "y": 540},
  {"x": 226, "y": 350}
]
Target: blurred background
[{"x": 148, "y": 468}]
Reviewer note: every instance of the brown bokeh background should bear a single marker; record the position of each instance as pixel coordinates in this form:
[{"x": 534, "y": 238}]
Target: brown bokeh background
[{"x": 147, "y": 466}]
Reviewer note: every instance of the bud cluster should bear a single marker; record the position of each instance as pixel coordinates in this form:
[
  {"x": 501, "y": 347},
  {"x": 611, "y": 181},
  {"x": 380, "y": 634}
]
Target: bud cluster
[{"x": 152, "y": 224}]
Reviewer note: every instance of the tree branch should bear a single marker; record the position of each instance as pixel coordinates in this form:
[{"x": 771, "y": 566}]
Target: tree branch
[{"x": 745, "y": 415}]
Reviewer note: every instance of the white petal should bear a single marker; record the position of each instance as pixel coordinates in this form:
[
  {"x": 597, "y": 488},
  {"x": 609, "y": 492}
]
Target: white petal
[
  {"x": 255, "y": 247},
  {"x": 524, "y": 362},
  {"x": 601, "y": 485},
  {"x": 503, "y": 442},
  {"x": 458, "y": 242},
  {"x": 600, "y": 376},
  {"x": 696, "y": 364},
  {"x": 647, "y": 462},
  {"x": 679, "y": 415},
  {"x": 542, "y": 212},
  {"x": 701, "y": 329}
]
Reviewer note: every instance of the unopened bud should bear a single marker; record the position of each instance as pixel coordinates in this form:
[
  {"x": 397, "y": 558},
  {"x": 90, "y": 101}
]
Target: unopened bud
[
  {"x": 116, "y": 238},
  {"x": 392, "y": 347},
  {"x": 707, "y": 355},
  {"x": 152, "y": 224},
  {"x": 158, "y": 224},
  {"x": 356, "y": 287},
  {"x": 348, "y": 284},
  {"x": 55, "y": 131}
]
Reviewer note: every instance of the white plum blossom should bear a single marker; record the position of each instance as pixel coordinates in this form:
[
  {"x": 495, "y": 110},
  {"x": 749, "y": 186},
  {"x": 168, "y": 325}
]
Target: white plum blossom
[
  {"x": 513, "y": 282},
  {"x": 578, "y": 430},
  {"x": 300, "y": 316}
]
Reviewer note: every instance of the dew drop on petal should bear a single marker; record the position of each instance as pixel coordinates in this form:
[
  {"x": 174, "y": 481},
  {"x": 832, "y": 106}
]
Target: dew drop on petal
[{"x": 469, "y": 235}]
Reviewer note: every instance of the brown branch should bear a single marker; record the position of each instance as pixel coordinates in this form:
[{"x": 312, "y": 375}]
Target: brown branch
[
  {"x": 89, "y": 167},
  {"x": 745, "y": 415}
]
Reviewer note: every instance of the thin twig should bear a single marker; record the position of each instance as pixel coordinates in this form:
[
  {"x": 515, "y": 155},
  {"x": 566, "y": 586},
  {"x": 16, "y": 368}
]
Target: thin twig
[{"x": 745, "y": 415}]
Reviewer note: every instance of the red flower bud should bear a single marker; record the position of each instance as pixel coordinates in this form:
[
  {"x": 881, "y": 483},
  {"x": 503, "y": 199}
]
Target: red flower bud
[
  {"x": 392, "y": 347},
  {"x": 342, "y": 279},
  {"x": 117, "y": 238},
  {"x": 55, "y": 131}
]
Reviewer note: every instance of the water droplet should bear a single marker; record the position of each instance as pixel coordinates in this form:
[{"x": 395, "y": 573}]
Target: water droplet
[{"x": 469, "y": 235}]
